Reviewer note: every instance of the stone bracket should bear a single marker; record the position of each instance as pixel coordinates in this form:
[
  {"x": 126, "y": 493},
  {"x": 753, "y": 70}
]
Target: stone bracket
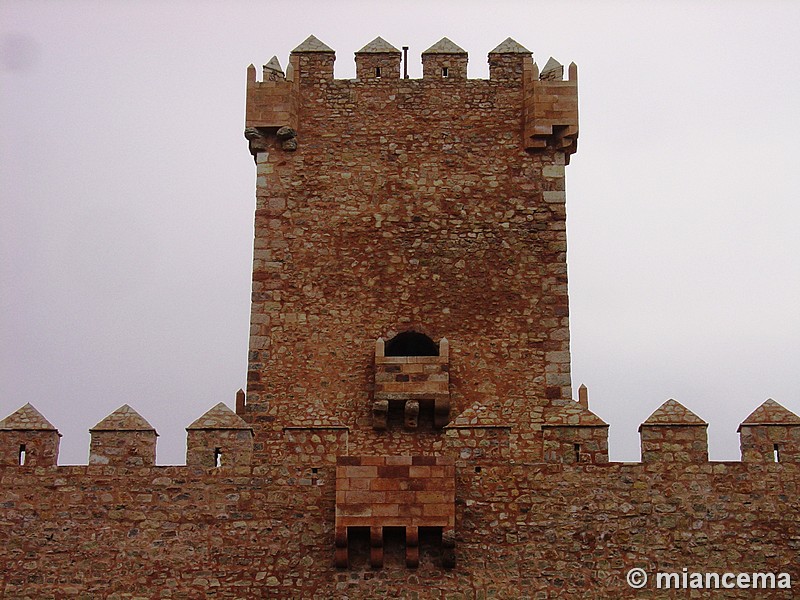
[
  {"x": 340, "y": 558},
  {"x": 449, "y": 548},
  {"x": 380, "y": 414},
  {"x": 411, "y": 414},
  {"x": 376, "y": 547}
]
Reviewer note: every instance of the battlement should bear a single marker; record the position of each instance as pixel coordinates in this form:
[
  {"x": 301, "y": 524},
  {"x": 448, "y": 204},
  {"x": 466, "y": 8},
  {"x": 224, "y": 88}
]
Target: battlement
[
  {"x": 572, "y": 434},
  {"x": 548, "y": 103}
]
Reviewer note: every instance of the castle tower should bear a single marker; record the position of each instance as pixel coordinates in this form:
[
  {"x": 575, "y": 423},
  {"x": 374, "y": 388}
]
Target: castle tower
[{"x": 407, "y": 214}]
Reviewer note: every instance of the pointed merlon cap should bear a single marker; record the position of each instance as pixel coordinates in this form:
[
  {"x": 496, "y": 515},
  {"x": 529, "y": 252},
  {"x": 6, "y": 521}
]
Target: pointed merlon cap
[
  {"x": 571, "y": 414},
  {"x": 274, "y": 65},
  {"x": 510, "y": 46},
  {"x": 219, "y": 417},
  {"x": 552, "y": 70},
  {"x": 771, "y": 413},
  {"x": 673, "y": 412},
  {"x": 312, "y": 44},
  {"x": 445, "y": 46},
  {"x": 123, "y": 419},
  {"x": 27, "y": 418},
  {"x": 378, "y": 46}
]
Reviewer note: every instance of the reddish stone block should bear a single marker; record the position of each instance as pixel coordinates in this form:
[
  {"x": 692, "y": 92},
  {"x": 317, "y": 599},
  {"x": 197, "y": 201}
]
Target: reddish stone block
[
  {"x": 381, "y": 484},
  {"x": 429, "y": 497},
  {"x": 362, "y": 472},
  {"x": 364, "y": 497},
  {"x": 410, "y": 510},
  {"x": 385, "y": 510},
  {"x": 438, "y": 510},
  {"x": 399, "y": 497},
  {"x": 392, "y": 471},
  {"x": 419, "y": 471},
  {"x": 362, "y": 483}
]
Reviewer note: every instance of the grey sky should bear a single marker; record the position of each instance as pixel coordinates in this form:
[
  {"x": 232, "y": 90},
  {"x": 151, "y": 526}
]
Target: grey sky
[{"x": 126, "y": 198}]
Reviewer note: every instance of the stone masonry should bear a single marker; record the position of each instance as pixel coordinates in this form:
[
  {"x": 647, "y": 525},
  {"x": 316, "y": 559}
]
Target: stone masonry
[{"x": 409, "y": 428}]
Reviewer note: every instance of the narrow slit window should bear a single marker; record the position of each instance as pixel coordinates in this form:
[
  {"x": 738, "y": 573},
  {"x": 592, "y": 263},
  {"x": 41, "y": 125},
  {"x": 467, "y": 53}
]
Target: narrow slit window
[
  {"x": 23, "y": 454},
  {"x": 445, "y": 72},
  {"x": 577, "y": 453},
  {"x": 776, "y": 453},
  {"x": 217, "y": 457},
  {"x": 378, "y": 72}
]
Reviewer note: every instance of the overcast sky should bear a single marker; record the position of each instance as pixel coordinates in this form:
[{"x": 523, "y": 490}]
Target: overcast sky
[{"x": 127, "y": 197}]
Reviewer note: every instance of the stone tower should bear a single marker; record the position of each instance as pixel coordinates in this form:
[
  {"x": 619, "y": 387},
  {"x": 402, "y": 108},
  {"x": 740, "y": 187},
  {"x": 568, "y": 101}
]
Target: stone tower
[
  {"x": 410, "y": 250},
  {"x": 409, "y": 290}
]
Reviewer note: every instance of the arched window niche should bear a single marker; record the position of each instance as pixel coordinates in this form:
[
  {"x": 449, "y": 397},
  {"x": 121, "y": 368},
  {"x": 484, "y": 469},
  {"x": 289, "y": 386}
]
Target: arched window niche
[{"x": 411, "y": 343}]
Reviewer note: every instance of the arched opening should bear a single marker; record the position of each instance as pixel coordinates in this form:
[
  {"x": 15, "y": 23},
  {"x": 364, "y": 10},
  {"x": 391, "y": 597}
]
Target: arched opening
[{"x": 411, "y": 343}]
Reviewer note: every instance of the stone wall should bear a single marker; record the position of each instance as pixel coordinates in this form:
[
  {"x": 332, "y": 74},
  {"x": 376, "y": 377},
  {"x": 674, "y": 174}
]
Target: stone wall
[{"x": 523, "y": 531}]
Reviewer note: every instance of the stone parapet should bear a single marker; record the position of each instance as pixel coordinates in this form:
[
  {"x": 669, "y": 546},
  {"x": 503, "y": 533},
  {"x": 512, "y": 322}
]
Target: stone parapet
[
  {"x": 271, "y": 103},
  {"x": 674, "y": 433},
  {"x": 219, "y": 438},
  {"x": 771, "y": 433},
  {"x": 123, "y": 438},
  {"x": 378, "y": 60},
  {"x": 27, "y": 439},
  {"x": 444, "y": 60},
  {"x": 551, "y": 110}
]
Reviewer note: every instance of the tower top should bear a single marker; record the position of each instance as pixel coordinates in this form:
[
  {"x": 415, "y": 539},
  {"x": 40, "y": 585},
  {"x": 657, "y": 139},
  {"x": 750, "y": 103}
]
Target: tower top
[
  {"x": 26, "y": 418},
  {"x": 553, "y": 70},
  {"x": 673, "y": 412},
  {"x": 510, "y": 46},
  {"x": 274, "y": 65},
  {"x": 312, "y": 44},
  {"x": 219, "y": 417},
  {"x": 771, "y": 413},
  {"x": 445, "y": 46},
  {"x": 124, "y": 419},
  {"x": 378, "y": 46}
]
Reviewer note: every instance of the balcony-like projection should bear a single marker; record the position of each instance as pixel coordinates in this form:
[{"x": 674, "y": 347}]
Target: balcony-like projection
[
  {"x": 412, "y": 375},
  {"x": 410, "y": 492}
]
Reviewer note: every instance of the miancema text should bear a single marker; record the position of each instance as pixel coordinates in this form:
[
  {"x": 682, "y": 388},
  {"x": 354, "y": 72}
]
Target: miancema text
[{"x": 691, "y": 580}]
